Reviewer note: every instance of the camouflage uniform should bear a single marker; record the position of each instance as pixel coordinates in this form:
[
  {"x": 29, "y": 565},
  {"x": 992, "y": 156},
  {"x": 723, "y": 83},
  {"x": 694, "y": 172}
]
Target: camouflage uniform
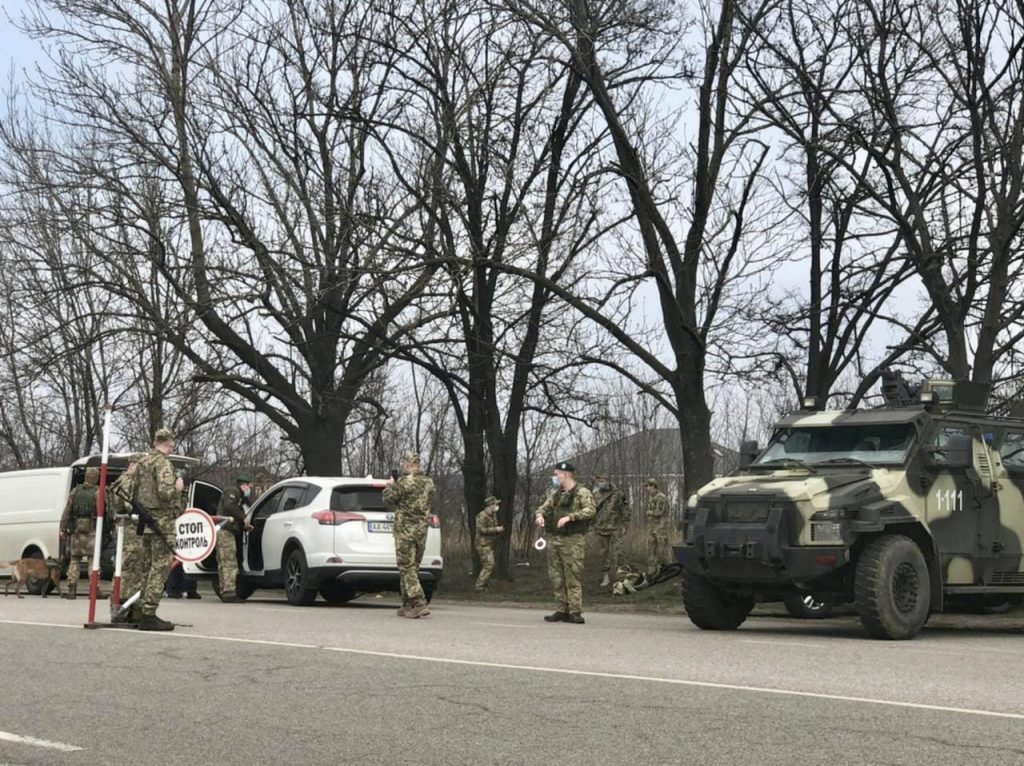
[
  {"x": 487, "y": 530},
  {"x": 412, "y": 497},
  {"x": 658, "y": 520},
  {"x": 156, "y": 490},
  {"x": 612, "y": 517},
  {"x": 78, "y": 521},
  {"x": 231, "y": 505},
  {"x": 566, "y": 546},
  {"x": 118, "y": 499}
]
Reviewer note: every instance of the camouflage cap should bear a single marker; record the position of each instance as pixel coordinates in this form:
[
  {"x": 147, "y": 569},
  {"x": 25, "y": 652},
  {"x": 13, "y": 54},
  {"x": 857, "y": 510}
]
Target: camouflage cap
[
  {"x": 491, "y": 500},
  {"x": 652, "y": 482},
  {"x": 92, "y": 474},
  {"x": 163, "y": 435},
  {"x": 566, "y": 466},
  {"x": 411, "y": 457},
  {"x": 600, "y": 477}
]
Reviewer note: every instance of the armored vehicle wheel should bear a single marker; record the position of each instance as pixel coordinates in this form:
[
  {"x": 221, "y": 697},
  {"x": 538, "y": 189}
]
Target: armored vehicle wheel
[
  {"x": 891, "y": 588},
  {"x": 710, "y": 609},
  {"x": 807, "y": 607}
]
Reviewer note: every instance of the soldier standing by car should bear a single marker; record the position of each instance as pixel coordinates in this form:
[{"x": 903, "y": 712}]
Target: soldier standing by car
[
  {"x": 159, "y": 491},
  {"x": 565, "y": 515},
  {"x": 658, "y": 520},
  {"x": 412, "y": 497},
  {"x": 119, "y": 498},
  {"x": 609, "y": 525},
  {"x": 78, "y": 526},
  {"x": 487, "y": 531},
  {"x": 229, "y": 537}
]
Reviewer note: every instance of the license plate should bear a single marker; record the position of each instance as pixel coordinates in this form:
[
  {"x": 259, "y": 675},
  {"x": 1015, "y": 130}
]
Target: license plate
[{"x": 381, "y": 526}]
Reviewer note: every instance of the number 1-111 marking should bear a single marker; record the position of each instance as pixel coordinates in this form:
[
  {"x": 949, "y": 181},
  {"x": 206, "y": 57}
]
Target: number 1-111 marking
[{"x": 950, "y": 500}]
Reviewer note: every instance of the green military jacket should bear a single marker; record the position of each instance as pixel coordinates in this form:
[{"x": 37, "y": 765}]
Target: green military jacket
[
  {"x": 576, "y": 503},
  {"x": 230, "y": 505},
  {"x": 79, "y": 514},
  {"x": 119, "y": 495},
  {"x": 487, "y": 526},
  {"x": 155, "y": 489},
  {"x": 412, "y": 497},
  {"x": 612, "y": 511},
  {"x": 657, "y": 511}
]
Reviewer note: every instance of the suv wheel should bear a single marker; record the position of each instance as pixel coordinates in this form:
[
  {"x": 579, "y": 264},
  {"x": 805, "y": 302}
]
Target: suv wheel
[
  {"x": 710, "y": 609},
  {"x": 807, "y": 607},
  {"x": 335, "y": 593},
  {"x": 891, "y": 587},
  {"x": 296, "y": 580}
]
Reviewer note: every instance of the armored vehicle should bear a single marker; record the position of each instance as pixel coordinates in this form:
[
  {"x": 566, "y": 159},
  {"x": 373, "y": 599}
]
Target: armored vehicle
[{"x": 900, "y": 510}]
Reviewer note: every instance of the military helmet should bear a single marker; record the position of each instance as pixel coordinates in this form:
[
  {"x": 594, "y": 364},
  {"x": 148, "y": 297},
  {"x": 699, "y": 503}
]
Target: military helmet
[
  {"x": 413, "y": 458},
  {"x": 92, "y": 475},
  {"x": 163, "y": 435}
]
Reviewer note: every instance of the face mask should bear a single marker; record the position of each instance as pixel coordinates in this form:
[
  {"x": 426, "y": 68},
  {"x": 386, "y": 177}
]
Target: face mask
[
  {"x": 246, "y": 492},
  {"x": 600, "y": 486},
  {"x": 555, "y": 482}
]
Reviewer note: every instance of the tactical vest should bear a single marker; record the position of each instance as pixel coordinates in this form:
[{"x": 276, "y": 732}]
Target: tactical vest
[
  {"x": 563, "y": 504},
  {"x": 83, "y": 508}
]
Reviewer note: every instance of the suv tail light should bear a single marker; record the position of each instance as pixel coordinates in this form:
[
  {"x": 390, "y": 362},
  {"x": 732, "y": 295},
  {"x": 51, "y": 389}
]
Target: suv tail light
[
  {"x": 334, "y": 518},
  {"x": 434, "y": 521}
]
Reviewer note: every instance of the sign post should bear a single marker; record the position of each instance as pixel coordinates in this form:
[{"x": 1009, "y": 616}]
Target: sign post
[{"x": 101, "y": 497}]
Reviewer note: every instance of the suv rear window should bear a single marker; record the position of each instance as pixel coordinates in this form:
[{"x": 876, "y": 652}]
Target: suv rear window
[{"x": 356, "y": 499}]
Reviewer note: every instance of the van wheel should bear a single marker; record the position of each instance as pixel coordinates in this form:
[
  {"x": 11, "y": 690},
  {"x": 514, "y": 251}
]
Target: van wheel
[
  {"x": 807, "y": 607},
  {"x": 296, "y": 580},
  {"x": 710, "y": 609},
  {"x": 892, "y": 590}
]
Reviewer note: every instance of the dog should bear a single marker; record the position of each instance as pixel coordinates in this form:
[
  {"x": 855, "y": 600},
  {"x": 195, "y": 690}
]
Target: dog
[{"x": 37, "y": 569}]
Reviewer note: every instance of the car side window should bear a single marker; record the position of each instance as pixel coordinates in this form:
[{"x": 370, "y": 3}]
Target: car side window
[
  {"x": 944, "y": 437},
  {"x": 309, "y": 495},
  {"x": 292, "y": 496},
  {"x": 268, "y": 507},
  {"x": 1012, "y": 451}
]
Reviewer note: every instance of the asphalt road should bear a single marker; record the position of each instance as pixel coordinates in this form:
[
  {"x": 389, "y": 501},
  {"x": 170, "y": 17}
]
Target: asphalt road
[{"x": 264, "y": 682}]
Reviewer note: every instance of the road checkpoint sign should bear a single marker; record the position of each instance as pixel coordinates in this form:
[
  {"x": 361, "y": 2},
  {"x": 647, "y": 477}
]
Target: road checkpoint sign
[{"x": 196, "y": 536}]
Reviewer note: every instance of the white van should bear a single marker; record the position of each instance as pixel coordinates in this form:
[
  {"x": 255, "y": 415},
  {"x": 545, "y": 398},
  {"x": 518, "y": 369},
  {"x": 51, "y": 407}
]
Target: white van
[{"x": 32, "y": 501}]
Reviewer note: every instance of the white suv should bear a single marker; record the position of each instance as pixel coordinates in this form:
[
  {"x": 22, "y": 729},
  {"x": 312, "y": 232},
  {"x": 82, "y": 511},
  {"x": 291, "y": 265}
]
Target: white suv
[{"x": 328, "y": 535}]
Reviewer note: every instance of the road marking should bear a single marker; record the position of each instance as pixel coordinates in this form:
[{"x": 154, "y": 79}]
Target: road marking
[
  {"x": 6, "y": 736},
  {"x": 798, "y": 644},
  {"x": 571, "y": 672},
  {"x": 508, "y": 625}
]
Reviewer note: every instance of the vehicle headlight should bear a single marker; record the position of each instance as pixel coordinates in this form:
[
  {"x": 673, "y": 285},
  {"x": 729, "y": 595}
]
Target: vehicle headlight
[{"x": 826, "y": 532}]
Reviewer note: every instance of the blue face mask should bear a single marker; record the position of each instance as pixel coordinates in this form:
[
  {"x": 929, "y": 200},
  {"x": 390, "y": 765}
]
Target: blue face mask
[{"x": 555, "y": 482}]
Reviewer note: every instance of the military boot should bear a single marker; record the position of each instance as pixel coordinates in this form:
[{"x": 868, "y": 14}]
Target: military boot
[
  {"x": 576, "y": 618},
  {"x": 152, "y": 622},
  {"x": 415, "y": 612},
  {"x": 403, "y": 610},
  {"x": 605, "y": 581},
  {"x": 557, "y": 617},
  {"x": 72, "y": 591}
]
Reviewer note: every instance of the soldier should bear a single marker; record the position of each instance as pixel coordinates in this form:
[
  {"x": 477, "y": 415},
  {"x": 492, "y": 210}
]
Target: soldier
[
  {"x": 159, "y": 491},
  {"x": 658, "y": 521},
  {"x": 119, "y": 497},
  {"x": 412, "y": 497},
  {"x": 78, "y": 526},
  {"x": 229, "y": 537},
  {"x": 565, "y": 515},
  {"x": 487, "y": 531},
  {"x": 609, "y": 525}
]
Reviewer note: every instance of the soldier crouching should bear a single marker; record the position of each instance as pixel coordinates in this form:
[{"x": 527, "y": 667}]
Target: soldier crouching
[{"x": 565, "y": 515}]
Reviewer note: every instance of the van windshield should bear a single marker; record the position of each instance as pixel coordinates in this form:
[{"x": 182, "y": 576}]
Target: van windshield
[
  {"x": 357, "y": 499},
  {"x": 877, "y": 444}
]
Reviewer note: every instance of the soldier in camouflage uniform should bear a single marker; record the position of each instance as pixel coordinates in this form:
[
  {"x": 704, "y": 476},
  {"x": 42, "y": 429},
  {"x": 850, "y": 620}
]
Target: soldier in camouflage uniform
[
  {"x": 487, "y": 531},
  {"x": 232, "y": 504},
  {"x": 609, "y": 525},
  {"x": 564, "y": 515},
  {"x": 658, "y": 521},
  {"x": 119, "y": 501},
  {"x": 412, "y": 497},
  {"x": 78, "y": 525},
  {"x": 158, "y": 489}
]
